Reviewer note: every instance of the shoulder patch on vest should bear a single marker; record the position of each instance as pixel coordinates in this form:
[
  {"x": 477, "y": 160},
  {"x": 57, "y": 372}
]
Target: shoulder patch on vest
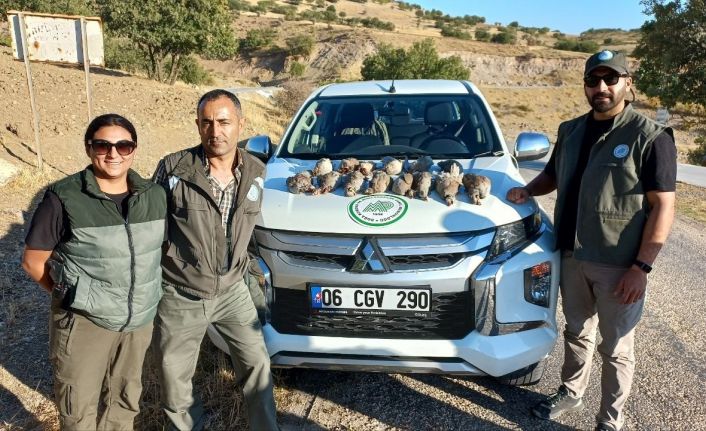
[
  {"x": 260, "y": 182},
  {"x": 173, "y": 180},
  {"x": 621, "y": 151},
  {"x": 253, "y": 193}
]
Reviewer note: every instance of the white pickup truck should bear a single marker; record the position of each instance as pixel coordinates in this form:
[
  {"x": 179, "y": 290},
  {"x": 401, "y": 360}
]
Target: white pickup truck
[{"x": 395, "y": 284}]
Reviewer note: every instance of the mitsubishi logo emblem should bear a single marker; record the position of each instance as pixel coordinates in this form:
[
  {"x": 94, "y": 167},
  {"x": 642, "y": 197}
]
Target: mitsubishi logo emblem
[{"x": 369, "y": 258}]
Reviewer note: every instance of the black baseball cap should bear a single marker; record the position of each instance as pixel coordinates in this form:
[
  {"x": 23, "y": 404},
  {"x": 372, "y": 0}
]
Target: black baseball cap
[{"x": 611, "y": 59}]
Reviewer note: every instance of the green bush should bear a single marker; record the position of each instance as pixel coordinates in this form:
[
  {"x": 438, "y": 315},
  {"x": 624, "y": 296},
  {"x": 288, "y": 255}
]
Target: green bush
[
  {"x": 698, "y": 155},
  {"x": 257, "y": 39},
  {"x": 576, "y": 45},
  {"x": 607, "y": 40},
  {"x": 449, "y": 31},
  {"x": 297, "y": 69},
  {"x": 482, "y": 35},
  {"x": 377, "y": 23},
  {"x": 504, "y": 37},
  {"x": 421, "y": 61},
  {"x": 121, "y": 54},
  {"x": 300, "y": 45},
  {"x": 5, "y": 40},
  {"x": 193, "y": 73}
]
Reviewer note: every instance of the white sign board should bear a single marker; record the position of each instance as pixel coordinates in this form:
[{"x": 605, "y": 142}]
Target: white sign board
[{"x": 56, "y": 38}]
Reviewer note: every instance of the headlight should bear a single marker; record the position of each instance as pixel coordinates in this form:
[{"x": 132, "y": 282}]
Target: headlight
[{"x": 513, "y": 237}]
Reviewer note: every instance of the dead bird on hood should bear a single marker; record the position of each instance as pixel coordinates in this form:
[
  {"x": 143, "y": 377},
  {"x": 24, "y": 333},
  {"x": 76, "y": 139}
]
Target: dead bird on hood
[
  {"x": 422, "y": 184},
  {"x": 391, "y": 165},
  {"x": 354, "y": 183},
  {"x": 379, "y": 184},
  {"x": 323, "y": 166},
  {"x": 366, "y": 168},
  {"x": 453, "y": 167},
  {"x": 423, "y": 163},
  {"x": 403, "y": 185},
  {"x": 300, "y": 183},
  {"x": 447, "y": 186},
  {"x": 328, "y": 183},
  {"x": 477, "y": 187},
  {"x": 348, "y": 165}
]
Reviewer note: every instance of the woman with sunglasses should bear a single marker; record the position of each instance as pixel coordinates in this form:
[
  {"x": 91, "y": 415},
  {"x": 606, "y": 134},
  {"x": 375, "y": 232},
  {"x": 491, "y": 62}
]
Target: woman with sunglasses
[{"x": 94, "y": 243}]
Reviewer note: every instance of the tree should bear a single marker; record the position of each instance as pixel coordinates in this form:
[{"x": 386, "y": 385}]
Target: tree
[
  {"x": 300, "y": 45},
  {"x": 167, "y": 32},
  {"x": 672, "y": 52},
  {"x": 421, "y": 61}
]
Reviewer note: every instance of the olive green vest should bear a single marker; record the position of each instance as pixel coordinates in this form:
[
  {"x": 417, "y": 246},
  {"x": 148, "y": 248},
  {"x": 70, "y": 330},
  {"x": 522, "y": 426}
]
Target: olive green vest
[
  {"x": 612, "y": 208},
  {"x": 199, "y": 260},
  {"x": 111, "y": 266}
]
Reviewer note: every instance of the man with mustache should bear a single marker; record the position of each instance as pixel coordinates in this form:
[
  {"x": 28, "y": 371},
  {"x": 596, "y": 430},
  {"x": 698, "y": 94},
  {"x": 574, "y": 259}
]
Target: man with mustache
[
  {"x": 615, "y": 175},
  {"x": 214, "y": 193}
]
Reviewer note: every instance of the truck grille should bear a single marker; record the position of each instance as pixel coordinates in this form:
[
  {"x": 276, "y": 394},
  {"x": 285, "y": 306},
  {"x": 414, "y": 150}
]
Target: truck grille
[
  {"x": 397, "y": 263},
  {"x": 451, "y": 318}
]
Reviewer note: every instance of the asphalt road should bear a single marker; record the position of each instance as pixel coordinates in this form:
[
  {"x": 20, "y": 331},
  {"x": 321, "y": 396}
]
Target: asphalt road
[{"x": 667, "y": 393}]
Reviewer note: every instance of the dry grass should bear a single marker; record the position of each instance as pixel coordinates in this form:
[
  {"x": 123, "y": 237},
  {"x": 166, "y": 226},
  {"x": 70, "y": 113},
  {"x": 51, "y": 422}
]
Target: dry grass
[{"x": 214, "y": 381}]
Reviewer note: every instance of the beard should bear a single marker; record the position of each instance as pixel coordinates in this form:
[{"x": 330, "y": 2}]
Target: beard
[{"x": 605, "y": 101}]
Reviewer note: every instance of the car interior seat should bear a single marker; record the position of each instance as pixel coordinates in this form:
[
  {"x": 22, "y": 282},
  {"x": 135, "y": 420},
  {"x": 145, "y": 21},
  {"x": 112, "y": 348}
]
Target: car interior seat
[
  {"x": 355, "y": 129},
  {"x": 400, "y": 129},
  {"x": 439, "y": 137}
]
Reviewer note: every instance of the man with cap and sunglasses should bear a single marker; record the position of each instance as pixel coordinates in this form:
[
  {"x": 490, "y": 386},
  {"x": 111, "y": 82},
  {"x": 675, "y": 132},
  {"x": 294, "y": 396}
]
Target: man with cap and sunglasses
[{"x": 615, "y": 175}]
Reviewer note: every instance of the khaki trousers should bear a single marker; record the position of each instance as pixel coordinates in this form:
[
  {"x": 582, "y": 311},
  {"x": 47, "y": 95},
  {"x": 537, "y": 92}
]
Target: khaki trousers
[
  {"x": 181, "y": 325},
  {"x": 91, "y": 365},
  {"x": 589, "y": 302}
]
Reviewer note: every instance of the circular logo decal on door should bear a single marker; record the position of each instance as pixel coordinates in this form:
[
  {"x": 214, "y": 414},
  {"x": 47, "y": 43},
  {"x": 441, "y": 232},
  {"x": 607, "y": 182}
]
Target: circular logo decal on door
[{"x": 377, "y": 210}]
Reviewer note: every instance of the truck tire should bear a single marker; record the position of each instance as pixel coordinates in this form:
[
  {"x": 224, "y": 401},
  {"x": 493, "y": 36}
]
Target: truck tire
[{"x": 529, "y": 375}]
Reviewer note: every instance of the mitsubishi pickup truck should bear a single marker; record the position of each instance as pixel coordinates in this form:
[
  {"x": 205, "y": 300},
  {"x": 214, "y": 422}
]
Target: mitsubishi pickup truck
[{"x": 388, "y": 283}]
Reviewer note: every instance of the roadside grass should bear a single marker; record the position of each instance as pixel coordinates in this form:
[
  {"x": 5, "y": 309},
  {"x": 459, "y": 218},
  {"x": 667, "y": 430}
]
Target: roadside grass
[
  {"x": 214, "y": 381},
  {"x": 691, "y": 202}
]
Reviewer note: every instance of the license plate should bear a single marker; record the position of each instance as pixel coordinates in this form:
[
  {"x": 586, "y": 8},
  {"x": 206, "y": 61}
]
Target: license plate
[{"x": 372, "y": 301}]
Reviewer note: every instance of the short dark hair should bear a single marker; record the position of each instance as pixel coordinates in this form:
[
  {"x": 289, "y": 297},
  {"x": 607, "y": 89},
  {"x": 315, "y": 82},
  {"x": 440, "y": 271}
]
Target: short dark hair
[
  {"x": 217, "y": 94},
  {"x": 109, "y": 120}
]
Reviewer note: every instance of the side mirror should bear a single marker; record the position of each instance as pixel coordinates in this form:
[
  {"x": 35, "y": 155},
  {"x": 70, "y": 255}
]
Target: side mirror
[
  {"x": 260, "y": 146},
  {"x": 531, "y": 146}
]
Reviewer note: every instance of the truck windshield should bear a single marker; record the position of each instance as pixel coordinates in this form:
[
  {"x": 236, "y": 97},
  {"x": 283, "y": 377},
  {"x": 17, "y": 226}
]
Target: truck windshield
[{"x": 439, "y": 126}]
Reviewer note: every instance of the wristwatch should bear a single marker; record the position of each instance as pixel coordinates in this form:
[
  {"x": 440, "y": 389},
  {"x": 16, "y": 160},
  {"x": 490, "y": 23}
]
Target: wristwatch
[{"x": 642, "y": 265}]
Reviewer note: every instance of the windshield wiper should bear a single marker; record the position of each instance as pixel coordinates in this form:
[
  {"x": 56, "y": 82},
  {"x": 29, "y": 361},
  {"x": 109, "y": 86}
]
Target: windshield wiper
[{"x": 496, "y": 153}]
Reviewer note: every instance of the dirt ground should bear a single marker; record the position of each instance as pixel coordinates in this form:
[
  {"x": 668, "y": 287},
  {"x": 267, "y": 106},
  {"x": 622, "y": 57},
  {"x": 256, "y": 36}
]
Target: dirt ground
[{"x": 164, "y": 117}]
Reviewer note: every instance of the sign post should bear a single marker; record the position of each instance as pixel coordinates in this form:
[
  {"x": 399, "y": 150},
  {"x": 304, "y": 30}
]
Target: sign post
[
  {"x": 32, "y": 102},
  {"x": 56, "y": 39},
  {"x": 86, "y": 68}
]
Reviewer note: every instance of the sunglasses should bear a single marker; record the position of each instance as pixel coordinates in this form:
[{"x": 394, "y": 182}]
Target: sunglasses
[
  {"x": 610, "y": 79},
  {"x": 102, "y": 147}
]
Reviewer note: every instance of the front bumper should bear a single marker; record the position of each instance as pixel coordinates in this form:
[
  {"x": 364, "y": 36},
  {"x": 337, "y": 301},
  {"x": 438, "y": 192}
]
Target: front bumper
[{"x": 510, "y": 333}]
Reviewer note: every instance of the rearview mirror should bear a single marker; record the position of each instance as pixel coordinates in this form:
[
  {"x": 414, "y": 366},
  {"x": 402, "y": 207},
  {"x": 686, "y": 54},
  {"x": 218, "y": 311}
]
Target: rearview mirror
[{"x": 531, "y": 146}]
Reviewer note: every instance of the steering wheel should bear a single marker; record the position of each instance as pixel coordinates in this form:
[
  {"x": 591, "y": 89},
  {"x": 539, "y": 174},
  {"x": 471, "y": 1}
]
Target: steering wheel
[{"x": 444, "y": 144}]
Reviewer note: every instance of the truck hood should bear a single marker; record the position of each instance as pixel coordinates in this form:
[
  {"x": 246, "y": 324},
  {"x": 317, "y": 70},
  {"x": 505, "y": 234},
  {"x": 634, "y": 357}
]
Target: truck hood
[{"x": 336, "y": 213}]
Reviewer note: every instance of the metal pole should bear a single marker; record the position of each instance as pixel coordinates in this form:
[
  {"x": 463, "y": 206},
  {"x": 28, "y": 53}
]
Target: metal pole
[
  {"x": 86, "y": 68},
  {"x": 32, "y": 102}
]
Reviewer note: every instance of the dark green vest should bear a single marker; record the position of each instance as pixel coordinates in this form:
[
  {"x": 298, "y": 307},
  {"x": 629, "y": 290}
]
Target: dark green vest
[
  {"x": 198, "y": 259},
  {"x": 612, "y": 208},
  {"x": 111, "y": 266}
]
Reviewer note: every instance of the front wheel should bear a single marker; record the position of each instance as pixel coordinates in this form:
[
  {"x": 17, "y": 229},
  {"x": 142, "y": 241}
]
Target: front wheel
[{"x": 529, "y": 375}]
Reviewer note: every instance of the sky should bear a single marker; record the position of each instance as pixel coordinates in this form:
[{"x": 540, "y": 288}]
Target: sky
[{"x": 567, "y": 16}]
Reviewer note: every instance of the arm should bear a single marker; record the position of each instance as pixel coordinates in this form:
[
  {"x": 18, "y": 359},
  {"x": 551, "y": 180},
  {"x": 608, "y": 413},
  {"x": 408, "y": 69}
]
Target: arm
[
  {"x": 631, "y": 287},
  {"x": 34, "y": 262},
  {"x": 540, "y": 185}
]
